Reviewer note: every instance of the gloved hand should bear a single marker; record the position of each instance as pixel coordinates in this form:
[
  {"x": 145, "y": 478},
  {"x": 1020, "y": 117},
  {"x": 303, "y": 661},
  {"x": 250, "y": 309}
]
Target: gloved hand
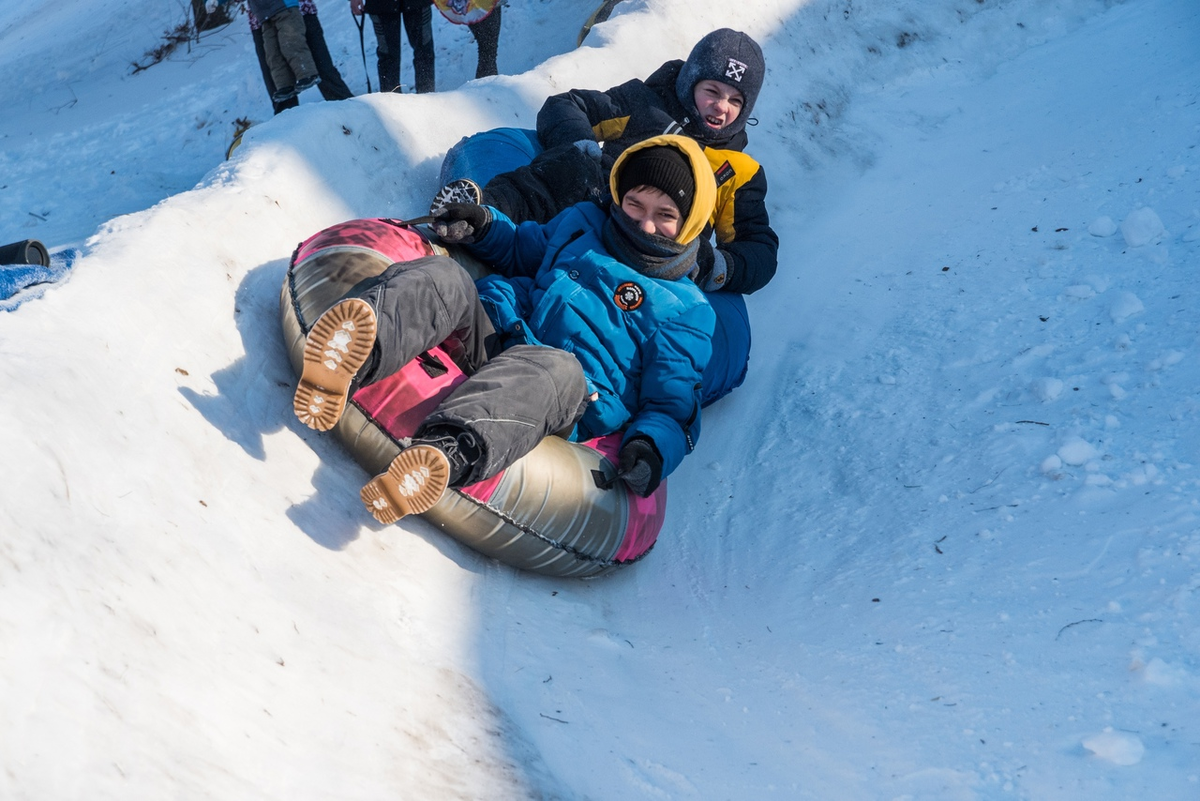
[
  {"x": 461, "y": 222},
  {"x": 640, "y": 466},
  {"x": 356, "y": 7},
  {"x": 704, "y": 262},
  {"x": 212, "y": 5},
  {"x": 589, "y": 147},
  {"x": 710, "y": 267}
]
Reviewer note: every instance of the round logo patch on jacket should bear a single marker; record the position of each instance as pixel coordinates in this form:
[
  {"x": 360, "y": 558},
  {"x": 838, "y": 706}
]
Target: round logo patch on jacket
[{"x": 629, "y": 296}]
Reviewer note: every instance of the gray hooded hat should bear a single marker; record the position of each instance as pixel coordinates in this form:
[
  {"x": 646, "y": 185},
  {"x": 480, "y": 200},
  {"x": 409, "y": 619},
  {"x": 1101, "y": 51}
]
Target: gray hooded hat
[{"x": 730, "y": 57}]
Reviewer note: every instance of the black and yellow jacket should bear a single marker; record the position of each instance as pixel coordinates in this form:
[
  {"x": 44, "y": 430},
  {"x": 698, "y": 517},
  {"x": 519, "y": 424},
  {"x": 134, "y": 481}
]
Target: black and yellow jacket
[{"x": 637, "y": 110}]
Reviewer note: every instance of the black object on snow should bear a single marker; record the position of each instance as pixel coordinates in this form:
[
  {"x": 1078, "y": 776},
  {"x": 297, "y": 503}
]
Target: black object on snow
[{"x": 30, "y": 251}]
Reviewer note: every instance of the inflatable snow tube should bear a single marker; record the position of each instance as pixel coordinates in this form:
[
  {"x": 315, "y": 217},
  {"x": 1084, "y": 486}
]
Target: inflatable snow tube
[
  {"x": 556, "y": 511},
  {"x": 466, "y": 12}
]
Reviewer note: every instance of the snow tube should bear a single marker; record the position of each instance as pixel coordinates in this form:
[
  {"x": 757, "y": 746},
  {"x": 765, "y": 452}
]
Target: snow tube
[
  {"x": 553, "y": 512},
  {"x": 466, "y": 12}
]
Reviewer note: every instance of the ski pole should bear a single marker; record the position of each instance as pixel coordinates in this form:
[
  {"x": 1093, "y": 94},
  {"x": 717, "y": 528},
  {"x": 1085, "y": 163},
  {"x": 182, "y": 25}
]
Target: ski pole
[{"x": 361, "y": 22}]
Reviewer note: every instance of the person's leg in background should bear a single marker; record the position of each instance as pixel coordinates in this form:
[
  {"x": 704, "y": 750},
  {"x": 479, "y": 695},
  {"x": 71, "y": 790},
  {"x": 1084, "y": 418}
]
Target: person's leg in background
[
  {"x": 281, "y": 72},
  {"x": 387, "y": 50},
  {"x": 418, "y": 27},
  {"x": 332, "y": 87},
  {"x": 293, "y": 44},
  {"x": 291, "y": 102},
  {"x": 487, "y": 37}
]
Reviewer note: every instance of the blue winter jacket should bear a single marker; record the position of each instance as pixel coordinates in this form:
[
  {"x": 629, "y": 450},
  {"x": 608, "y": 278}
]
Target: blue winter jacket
[{"x": 643, "y": 342}]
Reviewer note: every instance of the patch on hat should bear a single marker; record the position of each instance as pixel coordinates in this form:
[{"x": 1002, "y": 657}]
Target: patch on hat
[
  {"x": 629, "y": 296},
  {"x": 735, "y": 69}
]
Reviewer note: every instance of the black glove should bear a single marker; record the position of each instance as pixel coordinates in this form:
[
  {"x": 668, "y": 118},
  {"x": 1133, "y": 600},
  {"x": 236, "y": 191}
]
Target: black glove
[
  {"x": 704, "y": 262},
  {"x": 640, "y": 466},
  {"x": 461, "y": 222}
]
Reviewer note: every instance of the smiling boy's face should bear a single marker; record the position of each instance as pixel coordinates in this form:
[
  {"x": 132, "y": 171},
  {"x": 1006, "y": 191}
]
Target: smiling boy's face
[
  {"x": 719, "y": 103},
  {"x": 652, "y": 210}
]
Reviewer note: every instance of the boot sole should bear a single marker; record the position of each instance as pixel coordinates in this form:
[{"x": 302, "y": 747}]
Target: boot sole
[
  {"x": 336, "y": 347},
  {"x": 413, "y": 483},
  {"x": 461, "y": 190}
]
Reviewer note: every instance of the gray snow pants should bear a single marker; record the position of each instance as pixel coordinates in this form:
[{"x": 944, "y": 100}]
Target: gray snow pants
[
  {"x": 511, "y": 401},
  {"x": 286, "y": 48}
]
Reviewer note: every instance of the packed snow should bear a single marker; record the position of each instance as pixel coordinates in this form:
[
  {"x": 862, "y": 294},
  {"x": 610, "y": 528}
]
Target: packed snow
[{"x": 943, "y": 543}]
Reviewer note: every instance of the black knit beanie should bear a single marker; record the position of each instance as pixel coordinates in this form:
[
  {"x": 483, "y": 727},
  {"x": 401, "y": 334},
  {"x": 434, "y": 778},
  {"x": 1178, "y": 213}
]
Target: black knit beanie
[
  {"x": 662, "y": 167},
  {"x": 730, "y": 57}
]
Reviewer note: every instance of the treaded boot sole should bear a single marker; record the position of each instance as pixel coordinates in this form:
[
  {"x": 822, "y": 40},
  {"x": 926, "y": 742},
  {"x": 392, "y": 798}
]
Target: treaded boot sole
[
  {"x": 335, "y": 348},
  {"x": 460, "y": 190},
  {"x": 413, "y": 483}
]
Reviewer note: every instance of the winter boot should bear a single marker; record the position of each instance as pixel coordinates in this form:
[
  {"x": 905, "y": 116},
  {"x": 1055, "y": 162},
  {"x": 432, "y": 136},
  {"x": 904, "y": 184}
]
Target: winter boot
[
  {"x": 307, "y": 83},
  {"x": 336, "y": 347},
  {"x": 418, "y": 478},
  {"x": 462, "y": 190},
  {"x": 283, "y": 95}
]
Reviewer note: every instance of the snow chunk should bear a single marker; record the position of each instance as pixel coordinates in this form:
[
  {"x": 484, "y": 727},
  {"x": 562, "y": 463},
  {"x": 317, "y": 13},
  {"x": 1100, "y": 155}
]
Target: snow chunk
[
  {"x": 1079, "y": 292},
  {"x": 1168, "y": 359},
  {"x": 1142, "y": 227},
  {"x": 1125, "y": 306},
  {"x": 1164, "y": 674},
  {"x": 1117, "y": 747},
  {"x": 1047, "y": 389},
  {"x": 1076, "y": 451},
  {"x": 1051, "y": 463},
  {"x": 1142, "y": 475},
  {"x": 1102, "y": 226}
]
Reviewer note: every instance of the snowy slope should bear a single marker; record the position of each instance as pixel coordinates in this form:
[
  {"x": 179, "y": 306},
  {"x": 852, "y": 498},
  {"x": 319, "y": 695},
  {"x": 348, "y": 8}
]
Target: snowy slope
[{"x": 942, "y": 544}]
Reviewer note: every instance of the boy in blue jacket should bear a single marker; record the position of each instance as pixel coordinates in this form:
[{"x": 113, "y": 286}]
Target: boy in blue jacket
[
  {"x": 586, "y": 328},
  {"x": 710, "y": 97}
]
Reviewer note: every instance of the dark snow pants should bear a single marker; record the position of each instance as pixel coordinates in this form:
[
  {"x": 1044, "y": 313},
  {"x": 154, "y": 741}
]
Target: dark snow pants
[
  {"x": 487, "y": 41},
  {"x": 418, "y": 26},
  {"x": 510, "y": 401}
]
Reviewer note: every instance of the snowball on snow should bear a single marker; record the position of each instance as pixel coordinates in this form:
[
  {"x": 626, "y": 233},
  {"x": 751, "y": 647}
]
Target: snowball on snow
[
  {"x": 1047, "y": 389},
  {"x": 1117, "y": 747},
  {"x": 1102, "y": 226},
  {"x": 1142, "y": 227},
  {"x": 1076, "y": 451},
  {"x": 1125, "y": 306},
  {"x": 1051, "y": 463}
]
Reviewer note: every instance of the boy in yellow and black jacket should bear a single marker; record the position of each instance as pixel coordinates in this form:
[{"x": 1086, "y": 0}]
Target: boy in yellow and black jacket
[{"x": 669, "y": 102}]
